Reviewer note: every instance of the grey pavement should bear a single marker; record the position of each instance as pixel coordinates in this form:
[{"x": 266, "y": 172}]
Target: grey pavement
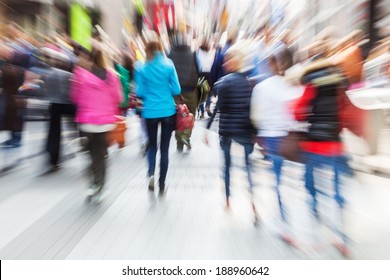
[{"x": 48, "y": 217}]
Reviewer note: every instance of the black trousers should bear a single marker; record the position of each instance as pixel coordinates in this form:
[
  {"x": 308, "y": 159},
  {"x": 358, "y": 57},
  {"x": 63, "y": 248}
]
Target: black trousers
[
  {"x": 54, "y": 137},
  {"x": 97, "y": 147},
  {"x": 167, "y": 127}
]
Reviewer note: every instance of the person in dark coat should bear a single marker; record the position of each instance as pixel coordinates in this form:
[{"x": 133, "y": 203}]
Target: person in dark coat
[
  {"x": 12, "y": 79},
  {"x": 184, "y": 60},
  {"x": 234, "y": 99},
  {"x": 57, "y": 82}
]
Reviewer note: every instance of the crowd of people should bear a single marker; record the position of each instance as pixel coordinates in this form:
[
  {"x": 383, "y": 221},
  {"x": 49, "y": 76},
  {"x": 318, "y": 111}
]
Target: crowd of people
[{"x": 253, "y": 82}]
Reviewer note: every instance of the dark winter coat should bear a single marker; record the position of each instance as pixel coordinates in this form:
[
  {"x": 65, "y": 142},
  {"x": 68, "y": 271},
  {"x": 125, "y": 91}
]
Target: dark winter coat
[
  {"x": 184, "y": 60},
  {"x": 12, "y": 79},
  {"x": 234, "y": 99}
]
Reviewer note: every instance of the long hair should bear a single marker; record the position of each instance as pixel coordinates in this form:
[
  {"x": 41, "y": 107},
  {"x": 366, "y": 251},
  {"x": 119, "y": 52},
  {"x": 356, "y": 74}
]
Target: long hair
[
  {"x": 98, "y": 59},
  {"x": 151, "y": 48}
]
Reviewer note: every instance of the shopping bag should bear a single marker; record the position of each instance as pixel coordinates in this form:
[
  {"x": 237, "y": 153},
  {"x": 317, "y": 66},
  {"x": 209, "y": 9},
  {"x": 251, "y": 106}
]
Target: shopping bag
[
  {"x": 117, "y": 135},
  {"x": 184, "y": 118},
  {"x": 290, "y": 148}
]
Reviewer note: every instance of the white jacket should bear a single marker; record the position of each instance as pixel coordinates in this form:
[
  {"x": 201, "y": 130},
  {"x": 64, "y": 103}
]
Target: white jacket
[{"x": 270, "y": 106}]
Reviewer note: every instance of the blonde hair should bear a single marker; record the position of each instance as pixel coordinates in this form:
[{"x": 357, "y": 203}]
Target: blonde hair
[
  {"x": 151, "y": 48},
  {"x": 240, "y": 54}
]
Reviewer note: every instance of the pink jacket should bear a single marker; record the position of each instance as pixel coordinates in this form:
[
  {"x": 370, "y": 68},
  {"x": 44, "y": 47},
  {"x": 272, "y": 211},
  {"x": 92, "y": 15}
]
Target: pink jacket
[{"x": 97, "y": 100}]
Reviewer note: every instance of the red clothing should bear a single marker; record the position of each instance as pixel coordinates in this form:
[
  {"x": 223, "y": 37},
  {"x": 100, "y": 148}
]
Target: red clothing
[{"x": 301, "y": 113}]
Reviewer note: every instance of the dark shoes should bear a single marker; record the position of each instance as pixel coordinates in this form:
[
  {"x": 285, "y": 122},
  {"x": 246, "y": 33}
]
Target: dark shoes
[
  {"x": 187, "y": 143},
  {"x": 161, "y": 192},
  {"x": 10, "y": 144},
  {"x": 209, "y": 113},
  {"x": 52, "y": 168},
  {"x": 183, "y": 142},
  {"x": 151, "y": 183}
]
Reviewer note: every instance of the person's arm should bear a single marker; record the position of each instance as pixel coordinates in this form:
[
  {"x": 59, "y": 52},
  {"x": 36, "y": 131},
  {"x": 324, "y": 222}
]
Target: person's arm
[
  {"x": 125, "y": 82},
  {"x": 75, "y": 88},
  {"x": 219, "y": 87},
  {"x": 117, "y": 89},
  {"x": 214, "y": 69},
  {"x": 197, "y": 65},
  {"x": 300, "y": 108},
  {"x": 138, "y": 81},
  {"x": 255, "y": 113},
  {"x": 174, "y": 81}
]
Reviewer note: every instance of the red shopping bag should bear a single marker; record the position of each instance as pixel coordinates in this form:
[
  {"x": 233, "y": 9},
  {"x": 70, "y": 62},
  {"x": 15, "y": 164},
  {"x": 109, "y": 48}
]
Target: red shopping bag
[{"x": 184, "y": 118}]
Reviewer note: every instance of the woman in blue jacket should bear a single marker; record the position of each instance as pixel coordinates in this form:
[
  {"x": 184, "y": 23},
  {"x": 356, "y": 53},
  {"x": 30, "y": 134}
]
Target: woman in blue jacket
[{"x": 157, "y": 84}]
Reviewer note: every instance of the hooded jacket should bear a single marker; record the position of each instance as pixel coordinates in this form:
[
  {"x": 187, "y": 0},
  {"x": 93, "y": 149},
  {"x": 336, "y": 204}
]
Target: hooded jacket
[
  {"x": 319, "y": 106},
  {"x": 97, "y": 100}
]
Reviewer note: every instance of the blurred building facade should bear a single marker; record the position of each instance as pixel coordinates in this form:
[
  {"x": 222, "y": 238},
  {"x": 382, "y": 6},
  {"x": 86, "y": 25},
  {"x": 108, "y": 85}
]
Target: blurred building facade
[{"x": 120, "y": 18}]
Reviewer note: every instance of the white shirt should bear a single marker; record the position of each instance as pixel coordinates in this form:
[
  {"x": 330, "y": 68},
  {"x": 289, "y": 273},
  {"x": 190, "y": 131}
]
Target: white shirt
[
  {"x": 96, "y": 128},
  {"x": 205, "y": 60},
  {"x": 270, "y": 107}
]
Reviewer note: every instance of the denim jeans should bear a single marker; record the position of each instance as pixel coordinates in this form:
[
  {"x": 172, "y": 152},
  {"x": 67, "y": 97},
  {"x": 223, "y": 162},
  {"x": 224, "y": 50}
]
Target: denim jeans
[
  {"x": 339, "y": 165},
  {"x": 271, "y": 146},
  {"x": 167, "y": 127},
  {"x": 226, "y": 142}
]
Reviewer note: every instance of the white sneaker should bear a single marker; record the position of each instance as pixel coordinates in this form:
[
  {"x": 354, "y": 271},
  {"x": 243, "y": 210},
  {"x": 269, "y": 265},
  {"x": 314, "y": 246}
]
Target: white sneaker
[{"x": 91, "y": 191}]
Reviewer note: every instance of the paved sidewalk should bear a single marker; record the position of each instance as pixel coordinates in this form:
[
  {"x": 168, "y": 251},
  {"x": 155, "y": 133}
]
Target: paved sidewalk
[{"x": 47, "y": 217}]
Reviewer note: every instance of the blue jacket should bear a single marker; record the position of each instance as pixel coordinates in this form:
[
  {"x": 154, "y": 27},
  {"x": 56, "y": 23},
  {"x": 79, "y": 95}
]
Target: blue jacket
[
  {"x": 217, "y": 70},
  {"x": 157, "y": 83}
]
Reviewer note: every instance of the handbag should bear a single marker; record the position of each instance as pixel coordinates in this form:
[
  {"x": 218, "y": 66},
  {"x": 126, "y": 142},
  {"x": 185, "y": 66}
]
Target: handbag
[
  {"x": 185, "y": 120},
  {"x": 118, "y": 134},
  {"x": 290, "y": 148}
]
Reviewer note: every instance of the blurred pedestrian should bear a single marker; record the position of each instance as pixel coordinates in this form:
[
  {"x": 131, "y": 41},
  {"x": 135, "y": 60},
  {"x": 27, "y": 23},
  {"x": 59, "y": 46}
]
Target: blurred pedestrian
[
  {"x": 57, "y": 83},
  {"x": 319, "y": 106},
  {"x": 271, "y": 114},
  {"x": 217, "y": 70},
  {"x": 14, "y": 105},
  {"x": 184, "y": 60},
  {"x": 234, "y": 98},
  {"x": 124, "y": 67},
  {"x": 157, "y": 83},
  {"x": 205, "y": 57},
  {"x": 97, "y": 95}
]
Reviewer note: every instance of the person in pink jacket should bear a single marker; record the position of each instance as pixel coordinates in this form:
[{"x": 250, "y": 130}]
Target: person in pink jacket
[{"x": 97, "y": 95}]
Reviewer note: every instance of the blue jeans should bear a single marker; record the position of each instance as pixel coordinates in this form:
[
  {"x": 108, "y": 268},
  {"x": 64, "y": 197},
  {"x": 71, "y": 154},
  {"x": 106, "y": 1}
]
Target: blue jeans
[
  {"x": 337, "y": 163},
  {"x": 271, "y": 146},
  {"x": 226, "y": 142},
  {"x": 167, "y": 127}
]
